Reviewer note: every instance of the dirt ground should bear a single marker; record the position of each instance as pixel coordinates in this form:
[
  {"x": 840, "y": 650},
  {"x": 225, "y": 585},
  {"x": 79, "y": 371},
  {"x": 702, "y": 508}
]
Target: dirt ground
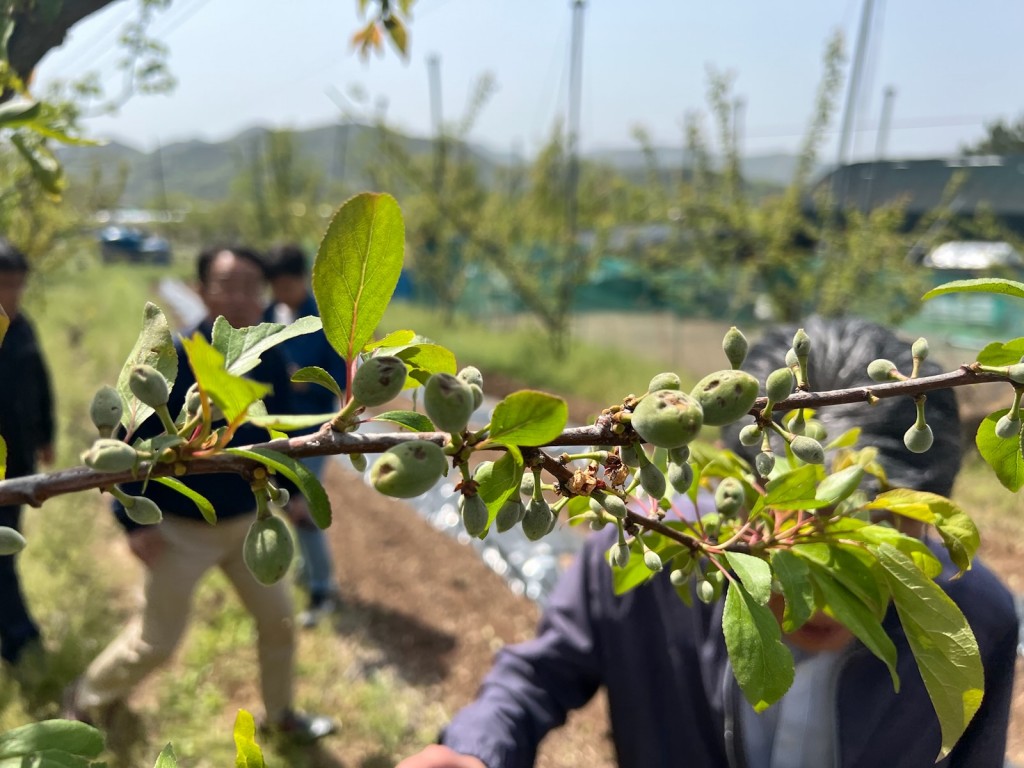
[{"x": 439, "y": 619}]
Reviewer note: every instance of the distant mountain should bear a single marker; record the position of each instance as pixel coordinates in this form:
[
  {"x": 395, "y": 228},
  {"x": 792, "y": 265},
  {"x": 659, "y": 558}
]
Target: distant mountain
[{"x": 343, "y": 153}]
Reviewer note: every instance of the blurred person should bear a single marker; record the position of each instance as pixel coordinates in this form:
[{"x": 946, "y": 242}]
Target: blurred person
[
  {"x": 287, "y": 269},
  {"x": 27, "y": 428},
  {"x": 671, "y": 695},
  {"x": 177, "y": 552}
]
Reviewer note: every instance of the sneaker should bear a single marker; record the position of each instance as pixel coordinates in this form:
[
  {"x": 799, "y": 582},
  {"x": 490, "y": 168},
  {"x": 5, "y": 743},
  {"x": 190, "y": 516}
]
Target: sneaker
[
  {"x": 299, "y": 727},
  {"x": 320, "y": 607}
]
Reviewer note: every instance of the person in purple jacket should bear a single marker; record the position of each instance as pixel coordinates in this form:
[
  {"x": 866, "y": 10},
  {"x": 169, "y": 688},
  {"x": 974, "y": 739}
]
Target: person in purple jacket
[{"x": 672, "y": 698}]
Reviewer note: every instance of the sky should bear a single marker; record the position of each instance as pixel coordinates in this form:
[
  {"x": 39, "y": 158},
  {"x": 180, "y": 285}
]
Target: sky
[{"x": 954, "y": 66}]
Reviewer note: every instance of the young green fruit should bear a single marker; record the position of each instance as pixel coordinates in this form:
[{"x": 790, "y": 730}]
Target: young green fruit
[
  {"x": 652, "y": 480},
  {"x": 358, "y": 461},
  {"x": 808, "y": 449},
  {"x": 149, "y": 385},
  {"x": 510, "y": 513},
  {"x": 471, "y": 375},
  {"x": 653, "y": 561},
  {"x": 918, "y": 439},
  {"x": 779, "y": 385},
  {"x": 526, "y": 484},
  {"x": 920, "y": 349},
  {"x": 751, "y": 434},
  {"x": 735, "y": 346},
  {"x": 801, "y": 343},
  {"x": 618, "y": 554},
  {"x": 725, "y": 396},
  {"x": 142, "y": 510},
  {"x": 629, "y": 456},
  {"x": 764, "y": 462},
  {"x": 474, "y": 514},
  {"x": 680, "y": 476},
  {"x": 679, "y": 455},
  {"x": 110, "y": 455},
  {"x": 729, "y": 496},
  {"x": 409, "y": 469},
  {"x": 667, "y": 380},
  {"x": 378, "y": 380},
  {"x": 1007, "y": 427},
  {"x": 882, "y": 370},
  {"x": 538, "y": 519},
  {"x": 105, "y": 410},
  {"x": 11, "y": 542},
  {"x": 706, "y": 592},
  {"x": 478, "y": 396},
  {"x": 613, "y": 505},
  {"x": 268, "y": 549},
  {"x": 667, "y": 418},
  {"x": 448, "y": 402}
]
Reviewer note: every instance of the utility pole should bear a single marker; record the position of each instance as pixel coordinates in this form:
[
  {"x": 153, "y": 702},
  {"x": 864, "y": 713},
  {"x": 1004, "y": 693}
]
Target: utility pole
[
  {"x": 434, "y": 79},
  {"x": 575, "y": 89},
  {"x": 853, "y": 90},
  {"x": 884, "y": 122}
]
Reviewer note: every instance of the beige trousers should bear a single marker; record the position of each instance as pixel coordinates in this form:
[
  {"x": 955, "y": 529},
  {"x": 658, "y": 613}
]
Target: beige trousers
[{"x": 193, "y": 548}]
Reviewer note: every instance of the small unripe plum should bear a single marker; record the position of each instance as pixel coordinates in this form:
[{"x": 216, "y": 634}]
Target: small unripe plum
[
  {"x": 409, "y": 469},
  {"x": 668, "y": 418},
  {"x": 378, "y": 380},
  {"x": 478, "y": 396},
  {"x": 449, "y": 402},
  {"x": 110, "y": 455},
  {"x": 613, "y": 505},
  {"x": 105, "y": 410},
  {"x": 801, "y": 343},
  {"x": 918, "y": 439},
  {"x": 629, "y": 456},
  {"x": 729, "y": 496},
  {"x": 618, "y": 554},
  {"x": 734, "y": 344},
  {"x": 1007, "y": 427},
  {"x": 920, "y": 349},
  {"x": 679, "y": 455},
  {"x": 1016, "y": 373},
  {"x": 808, "y": 449},
  {"x": 652, "y": 481},
  {"x": 653, "y": 560},
  {"x": 526, "y": 484},
  {"x": 779, "y": 384},
  {"x": 474, "y": 514},
  {"x": 537, "y": 520},
  {"x": 764, "y": 462},
  {"x": 725, "y": 396},
  {"x": 667, "y": 380},
  {"x": 751, "y": 434},
  {"x": 882, "y": 370},
  {"x": 680, "y": 476},
  {"x": 142, "y": 510},
  {"x": 268, "y": 549},
  {"x": 471, "y": 375},
  {"x": 358, "y": 461},
  {"x": 816, "y": 429},
  {"x": 149, "y": 385},
  {"x": 706, "y": 592},
  {"x": 11, "y": 542},
  {"x": 510, "y": 513}
]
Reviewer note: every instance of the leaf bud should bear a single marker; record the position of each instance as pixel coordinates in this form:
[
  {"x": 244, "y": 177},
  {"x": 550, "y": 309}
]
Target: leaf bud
[
  {"x": 882, "y": 370},
  {"x": 653, "y": 560},
  {"x": 11, "y": 542},
  {"x": 105, "y": 410},
  {"x": 735, "y": 346},
  {"x": 667, "y": 380},
  {"x": 918, "y": 439},
  {"x": 751, "y": 434},
  {"x": 142, "y": 510},
  {"x": 474, "y": 514},
  {"x": 1007, "y": 427},
  {"x": 149, "y": 385},
  {"x": 779, "y": 385},
  {"x": 378, "y": 380},
  {"x": 110, "y": 455},
  {"x": 808, "y": 450}
]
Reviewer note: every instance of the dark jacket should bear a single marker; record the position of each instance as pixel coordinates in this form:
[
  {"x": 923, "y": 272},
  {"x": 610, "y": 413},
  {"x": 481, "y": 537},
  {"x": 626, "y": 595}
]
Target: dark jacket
[
  {"x": 228, "y": 492},
  {"x": 310, "y": 349},
  {"x": 26, "y": 400},
  {"x": 671, "y": 699}
]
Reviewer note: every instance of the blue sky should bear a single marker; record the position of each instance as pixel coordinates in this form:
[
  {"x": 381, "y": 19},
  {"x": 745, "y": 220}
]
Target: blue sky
[{"x": 954, "y": 65}]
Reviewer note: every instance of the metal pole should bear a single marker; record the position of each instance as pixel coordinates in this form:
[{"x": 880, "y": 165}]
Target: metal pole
[
  {"x": 884, "y": 123},
  {"x": 856, "y": 71},
  {"x": 575, "y": 80},
  {"x": 434, "y": 79}
]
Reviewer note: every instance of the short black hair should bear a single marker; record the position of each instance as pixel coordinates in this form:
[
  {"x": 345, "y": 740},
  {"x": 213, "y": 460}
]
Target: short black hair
[
  {"x": 11, "y": 258},
  {"x": 841, "y": 350},
  {"x": 286, "y": 259},
  {"x": 207, "y": 255}
]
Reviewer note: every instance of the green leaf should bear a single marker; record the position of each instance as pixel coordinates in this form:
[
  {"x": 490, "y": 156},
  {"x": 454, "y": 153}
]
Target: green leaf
[
  {"x": 203, "y": 503},
  {"x": 247, "y": 752},
  {"x": 45, "y": 167},
  {"x": 851, "y": 566},
  {"x": 763, "y": 666},
  {"x": 166, "y": 759},
  {"x": 1003, "y": 455},
  {"x": 959, "y": 533},
  {"x": 424, "y": 360},
  {"x": 847, "y": 608},
  {"x": 357, "y": 268},
  {"x": 840, "y": 485},
  {"x": 911, "y": 546},
  {"x": 848, "y": 439},
  {"x": 154, "y": 347},
  {"x": 411, "y": 420},
  {"x": 242, "y": 347},
  {"x": 287, "y": 422},
  {"x": 528, "y": 418},
  {"x": 794, "y": 490},
  {"x": 18, "y": 112},
  {"x": 793, "y": 575},
  {"x": 755, "y": 574},
  {"x": 232, "y": 394},
  {"x": 67, "y": 736},
  {"x": 502, "y": 482},
  {"x": 1002, "y": 354},
  {"x": 943, "y": 644},
  {"x": 393, "y": 339},
  {"x": 49, "y": 758},
  {"x": 978, "y": 285},
  {"x": 3, "y": 458},
  {"x": 298, "y": 473},
  {"x": 313, "y": 374}
]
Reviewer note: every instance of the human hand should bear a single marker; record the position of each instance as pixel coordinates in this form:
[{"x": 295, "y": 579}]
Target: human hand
[
  {"x": 147, "y": 544},
  {"x": 437, "y": 756}
]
